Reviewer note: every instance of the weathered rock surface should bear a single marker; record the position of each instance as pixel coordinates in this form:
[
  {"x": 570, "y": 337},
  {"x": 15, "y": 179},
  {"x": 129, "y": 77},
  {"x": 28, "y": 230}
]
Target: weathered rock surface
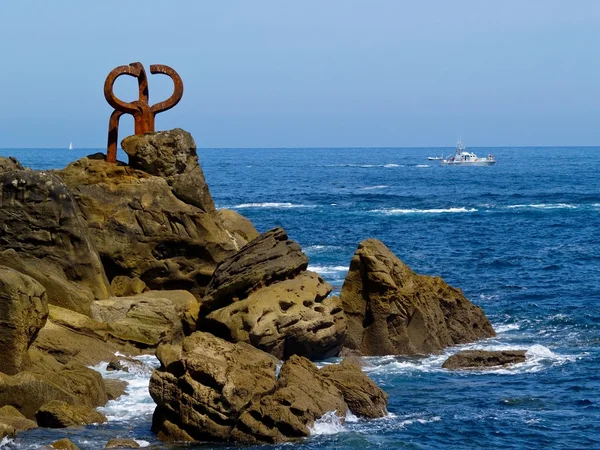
[
  {"x": 23, "y": 312},
  {"x": 186, "y": 306},
  {"x": 264, "y": 296},
  {"x": 482, "y": 359},
  {"x": 7, "y": 431},
  {"x": 122, "y": 443},
  {"x": 301, "y": 397},
  {"x": 142, "y": 229},
  {"x": 393, "y": 311},
  {"x": 363, "y": 396},
  {"x": 240, "y": 228},
  {"x": 201, "y": 392},
  {"x": 123, "y": 286},
  {"x": 43, "y": 236},
  {"x": 11, "y": 417},
  {"x": 10, "y": 163},
  {"x": 64, "y": 444},
  {"x": 124, "y": 364},
  {"x": 58, "y": 414}
]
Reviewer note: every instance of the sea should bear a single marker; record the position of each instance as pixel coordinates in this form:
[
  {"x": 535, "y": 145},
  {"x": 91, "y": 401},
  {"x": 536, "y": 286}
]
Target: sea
[{"x": 520, "y": 238}]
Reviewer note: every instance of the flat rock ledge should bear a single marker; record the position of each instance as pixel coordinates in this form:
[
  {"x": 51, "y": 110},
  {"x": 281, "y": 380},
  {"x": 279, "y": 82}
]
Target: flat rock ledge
[{"x": 482, "y": 359}]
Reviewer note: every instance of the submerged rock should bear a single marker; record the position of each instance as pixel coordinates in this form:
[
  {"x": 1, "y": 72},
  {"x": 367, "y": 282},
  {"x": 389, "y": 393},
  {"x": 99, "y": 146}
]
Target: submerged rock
[
  {"x": 482, "y": 359},
  {"x": 122, "y": 443},
  {"x": 393, "y": 311},
  {"x": 58, "y": 414},
  {"x": 264, "y": 296},
  {"x": 64, "y": 444}
]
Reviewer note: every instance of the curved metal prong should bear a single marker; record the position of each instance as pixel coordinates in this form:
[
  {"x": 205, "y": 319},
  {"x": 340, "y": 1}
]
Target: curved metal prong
[
  {"x": 133, "y": 70},
  {"x": 177, "y": 88}
]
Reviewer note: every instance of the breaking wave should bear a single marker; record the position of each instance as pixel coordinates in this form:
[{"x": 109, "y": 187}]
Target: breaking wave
[
  {"x": 396, "y": 211},
  {"x": 271, "y": 205}
]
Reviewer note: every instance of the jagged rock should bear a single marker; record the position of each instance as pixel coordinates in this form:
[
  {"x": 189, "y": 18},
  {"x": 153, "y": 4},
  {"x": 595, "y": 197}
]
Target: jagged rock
[
  {"x": 58, "y": 414},
  {"x": 23, "y": 311},
  {"x": 64, "y": 444},
  {"x": 264, "y": 296},
  {"x": 301, "y": 397},
  {"x": 239, "y": 227},
  {"x": 483, "y": 359},
  {"x": 201, "y": 392},
  {"x": 393, "y": 311},
  {"x": 363, "y": 396},
  {"x": 122, "y": 443},
  {"x": 172, "y": 156},
  {"x": 115, "y": 388},
  {"x": 141, "y": 229},
  {"x": 124, "y": 364},
  {"x": 140, "y": 321},
  {"x": 10, "y": 163},
  {"x": 43, "y": 236},
  {"x": 11, "y": 417},
  {"x": 123, "y": 286},
  {"x": 28, "y": 391}
]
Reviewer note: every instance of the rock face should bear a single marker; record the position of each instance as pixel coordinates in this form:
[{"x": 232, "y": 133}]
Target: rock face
[
  {"x": 43, "y": 236},
  {"x": 393, "y": 311},
  {"x": 264, "y": 296},
  {"x": 10, "y": 163},
  {"x": 172, "y": 156},
  {"x": 23, "y": 312},
  {"x": 123, "y": 286},
  {"x": 213, "y": 390},
  {"x": 142, "y": 229},
  {"x": 482, "y": 359},
  {"x": 201, "y": 392},
  {"x": 58, "y": 414},
  {"x": 239, "y": 227}
]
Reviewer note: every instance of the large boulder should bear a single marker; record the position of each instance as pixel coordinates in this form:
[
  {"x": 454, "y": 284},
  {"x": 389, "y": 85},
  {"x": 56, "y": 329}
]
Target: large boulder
[
  {"x": 10, "y": 416},
  {"x": 393, "y": 311},
  {"x": 202, "y": 388},
  {"x": 264, "y": 296},
  {"x": 58, "y": 414},
  {"x": 483, "y": 359},
  {"x": 42, "y": 235},
  {"x": 10, "y": 163},
  {"x": 239, "y": 227},
  {"x": 23, "y": 312},
  {"x": 142, "y": 229}
]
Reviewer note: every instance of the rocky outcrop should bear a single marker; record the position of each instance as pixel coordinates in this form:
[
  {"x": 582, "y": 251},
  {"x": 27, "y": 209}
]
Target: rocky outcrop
[
  {"x": 43, "y": 236},
  {"x": 202, "y": 388},
  {"x": 239, "y": 228},
  {"x": 64, "y": 444},
  {"x": 123, "y": 286},
  {"x": 363, "y": 396},
  {"x": 142, "y": 229},
  {"x": 10, "y": 163},
  {"x": 11, "y": 417},
  {"x": 23, "y": 312},
  {"x": 58, "y": 414},
  {"x": 214, "y": 390},
  {"x": 264, "y": 296},
  {"x": 122, "y": 443},
  {"x": 393, "y": 311},
  {"x": 172, "y": 156},
  {"x": 483, "y": 359}
]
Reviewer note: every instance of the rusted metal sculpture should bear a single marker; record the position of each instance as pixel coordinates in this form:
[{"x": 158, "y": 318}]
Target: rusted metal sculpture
[{"x": 143, "y": 114}]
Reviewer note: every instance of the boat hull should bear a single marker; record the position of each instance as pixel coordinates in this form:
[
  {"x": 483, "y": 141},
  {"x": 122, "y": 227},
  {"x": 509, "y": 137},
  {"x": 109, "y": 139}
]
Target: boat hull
[{"x": 485, "y": 162}]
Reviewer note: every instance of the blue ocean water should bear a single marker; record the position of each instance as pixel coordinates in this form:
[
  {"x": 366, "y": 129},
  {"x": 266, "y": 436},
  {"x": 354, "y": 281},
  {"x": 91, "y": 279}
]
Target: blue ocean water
[{"x": 520, "y": 239}]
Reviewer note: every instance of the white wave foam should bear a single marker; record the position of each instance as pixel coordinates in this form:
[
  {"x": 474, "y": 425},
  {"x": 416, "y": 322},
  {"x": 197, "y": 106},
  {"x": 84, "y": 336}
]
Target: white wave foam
[
  {"x": 327, "y": 269},
  {"x": 370, "y": 188},
  {"x": 422, "y": 165},
  {"x": 543, "y": 206},
  {"x": 329, "y": 423},
  {"x": 395, "y": 211},
  {"x": 416, "y": 419},
  {"x": 142, "y": 442},
  {"x": 507, "y": 327},
  {"x": 321, "y": 248},
  {"x": 391, "y": 166},
  {"x": 271, "y": 205},
  {"x": 6, "y": 441}
]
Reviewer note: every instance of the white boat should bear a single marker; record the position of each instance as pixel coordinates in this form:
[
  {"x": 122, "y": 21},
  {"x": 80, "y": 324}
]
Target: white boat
[
  {"x": 71, "y": 146},
  {"x": 465, "y": 158}
]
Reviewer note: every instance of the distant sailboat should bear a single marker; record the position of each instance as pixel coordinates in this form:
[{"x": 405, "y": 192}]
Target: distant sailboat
[{"x": 71, "y": 146}]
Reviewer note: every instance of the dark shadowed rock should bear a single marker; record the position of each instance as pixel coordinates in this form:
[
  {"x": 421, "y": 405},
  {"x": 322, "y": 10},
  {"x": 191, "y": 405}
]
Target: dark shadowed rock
[
  {"x": 141, "y": 229},
  {"x": 58, "y": 414},
  {"x": 10, "y": 163},
  {"x": 240, "y": 228},
  {"x": 482, "y": 359},
  {"x": 264, "y": 296},
  {"x": 393, "y": 311},
  {"x": 123, "y": 286},
  {"x": 42, "y": 235},
  {"x": 363, "y": 396},
  {"x": 23, "y": 312}
]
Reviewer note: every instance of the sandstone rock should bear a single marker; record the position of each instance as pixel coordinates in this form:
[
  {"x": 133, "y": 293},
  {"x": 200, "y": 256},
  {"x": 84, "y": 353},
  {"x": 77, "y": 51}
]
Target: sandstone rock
[
  {"x": 123, "y": 286},
  {"x": 140, "y": 321},
  {"x": 186, "y": 305},
  {"x": 363, "y": 396},
  {"x": 482, "y": 359},
  {"x": 122, "y": 443},
  {"x": 58, "y": 414},
  {"x": 124, "y": 364},
  {"x": 240, "y": 228},
  {"x": 79, "y": 323},
  {"x": 301, "y": 397},
  {"x": 200, "y": 395},
  {"x": 172, "y": 156},
  {"x": 141, "y": 229},
  {"x": 10, "y": 163},
  {"x": 11, "y": 417},
  {"x": 393, "y": 311},
  {"x": 23, "y": 311},
  {"x": 115, "y": 388},
  {"x": 7, "y": 431},
  {"x": 43, "y": 236},
  {"x": 264, "y": 296},
  {"x": 64, "y": 444}
]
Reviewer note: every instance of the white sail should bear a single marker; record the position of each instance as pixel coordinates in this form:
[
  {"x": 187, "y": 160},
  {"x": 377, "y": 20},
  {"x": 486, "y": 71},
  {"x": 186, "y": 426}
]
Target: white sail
[{"x": 71, "y": 146}]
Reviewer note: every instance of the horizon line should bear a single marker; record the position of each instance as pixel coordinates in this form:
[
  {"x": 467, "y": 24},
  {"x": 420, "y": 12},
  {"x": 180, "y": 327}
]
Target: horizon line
[{"x": 321, "y": 147}]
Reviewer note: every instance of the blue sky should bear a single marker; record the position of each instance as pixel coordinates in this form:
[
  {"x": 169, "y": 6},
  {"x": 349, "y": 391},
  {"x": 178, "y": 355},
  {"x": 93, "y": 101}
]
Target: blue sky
[{"x": 308, "y": 73}]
